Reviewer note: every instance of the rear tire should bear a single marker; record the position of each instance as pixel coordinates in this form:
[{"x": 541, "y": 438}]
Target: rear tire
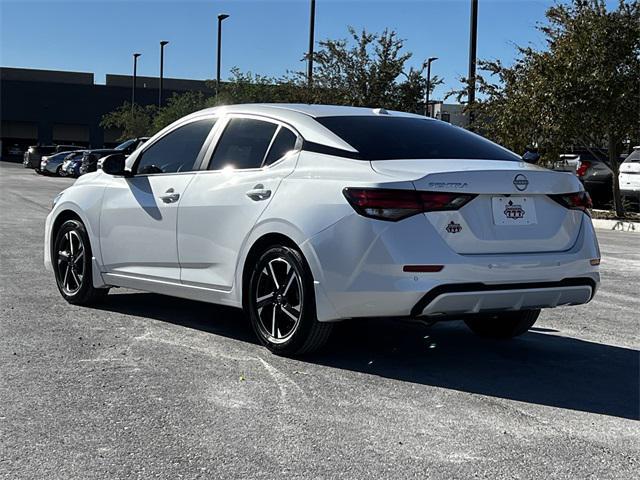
[
  {"x": 71, "y": 258},
  {"x": 280, "y": 302},
  {"x": 503, "y": 325}
]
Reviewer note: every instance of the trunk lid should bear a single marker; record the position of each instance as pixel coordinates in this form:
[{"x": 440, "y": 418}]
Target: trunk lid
[{"x": 512, "y": 212}]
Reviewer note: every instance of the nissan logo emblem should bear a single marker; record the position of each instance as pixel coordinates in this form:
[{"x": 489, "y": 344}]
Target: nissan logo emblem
[{"x": 520, "y": 182}]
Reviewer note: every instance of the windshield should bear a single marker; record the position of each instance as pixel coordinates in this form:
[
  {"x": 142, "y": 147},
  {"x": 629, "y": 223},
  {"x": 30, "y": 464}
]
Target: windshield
[
  {"x": 395, "y": 138},
  {"x": 125, "y": 145}
]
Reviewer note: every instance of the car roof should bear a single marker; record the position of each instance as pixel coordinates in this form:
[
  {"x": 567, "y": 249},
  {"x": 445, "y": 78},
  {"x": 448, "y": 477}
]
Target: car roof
[
  {"x": 313, "y": 110},
  {"x": 302, "y": 118}
]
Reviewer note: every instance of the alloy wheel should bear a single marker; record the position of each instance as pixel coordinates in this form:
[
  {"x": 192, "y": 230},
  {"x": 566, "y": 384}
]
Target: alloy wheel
[
  {"x": 278, "y": 299},
  {"x": 71, "y": 262}
]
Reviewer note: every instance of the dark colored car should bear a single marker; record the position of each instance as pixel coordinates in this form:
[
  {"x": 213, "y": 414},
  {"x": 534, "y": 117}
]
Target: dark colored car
[
  {"x": 71, "y": 166},
  {"x": 33, "y": 155},
  {"x": 90, "y": 158},
  {"x": 592, "y": 168}
]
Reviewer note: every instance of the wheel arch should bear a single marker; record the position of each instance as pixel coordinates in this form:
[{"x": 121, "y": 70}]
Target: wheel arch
[
  {"x": 259, "y": 246},
  {"x": 63, "y": 216}
]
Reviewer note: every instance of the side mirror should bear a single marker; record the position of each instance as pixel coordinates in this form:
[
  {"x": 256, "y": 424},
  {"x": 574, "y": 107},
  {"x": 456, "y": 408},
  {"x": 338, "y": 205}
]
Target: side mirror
[
  {"x": 531, "y": 157},
  {"x": 114, "y": 165}
]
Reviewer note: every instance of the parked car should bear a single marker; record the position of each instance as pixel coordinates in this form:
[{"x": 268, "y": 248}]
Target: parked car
[
  {"x": 90, "y": 159},
  {"x": 305, "y": 215},
  {"x": 592, "y": 169},
  {"x": 71, "y": 166},
  {"x": 630, "y": 178},
  {"x": 33, "y": 155},
  {"x": 52, "y": 164}
]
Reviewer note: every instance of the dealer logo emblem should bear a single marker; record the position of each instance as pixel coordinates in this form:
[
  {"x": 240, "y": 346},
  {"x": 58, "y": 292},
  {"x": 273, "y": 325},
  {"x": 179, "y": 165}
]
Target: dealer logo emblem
[
  {"x": 520, "y": 182},
  {"x": 454, "y": 227},
  {"x": 513, "y": 211}
]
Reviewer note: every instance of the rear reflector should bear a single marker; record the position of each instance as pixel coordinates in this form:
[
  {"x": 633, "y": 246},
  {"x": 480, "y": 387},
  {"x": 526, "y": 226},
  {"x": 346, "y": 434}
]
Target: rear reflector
[
  {"x": 394, "y": 205},
  {"x": 422, "y": 268},
  {"x": 574, "y": 201}
]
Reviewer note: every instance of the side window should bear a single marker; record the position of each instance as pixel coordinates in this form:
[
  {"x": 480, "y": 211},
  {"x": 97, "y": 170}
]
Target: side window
[
  {"x": 284, "y": 142},
  {"x": 243, "y": 144},
  {"x": 178, "y": 150}
]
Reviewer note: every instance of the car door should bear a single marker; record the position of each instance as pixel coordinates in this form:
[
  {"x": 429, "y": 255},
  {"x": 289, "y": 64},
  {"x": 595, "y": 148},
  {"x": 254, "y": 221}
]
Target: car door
[
  {"x": 139, "y": 213},
  {"x": 222, "y": 204}
]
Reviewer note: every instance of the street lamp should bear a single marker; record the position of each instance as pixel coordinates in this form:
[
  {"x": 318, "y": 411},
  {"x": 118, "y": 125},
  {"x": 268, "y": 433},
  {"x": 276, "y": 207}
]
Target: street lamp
[
  {"x": 426, "y": 96},
  {"x": 221, "y": 17},
  {"x": 312, "y": 27},
  {"x": 135, "y": 79},
  {"x": 473, "y": 43},
  {"x": 162, "y": 44}
]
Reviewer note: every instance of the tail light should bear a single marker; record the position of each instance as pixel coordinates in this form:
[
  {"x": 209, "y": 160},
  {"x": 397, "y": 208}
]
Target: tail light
[
  {"x": 574, "y": 201},
  {"x": 582, "y": 168},
  {"x": 394, "y": 205}
]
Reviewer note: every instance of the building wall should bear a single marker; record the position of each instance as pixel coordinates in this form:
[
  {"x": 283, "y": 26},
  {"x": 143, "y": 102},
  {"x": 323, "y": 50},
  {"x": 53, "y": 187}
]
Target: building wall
[
  {"x": 451, "y": 113},
  {"x": 43, "y": 107}
]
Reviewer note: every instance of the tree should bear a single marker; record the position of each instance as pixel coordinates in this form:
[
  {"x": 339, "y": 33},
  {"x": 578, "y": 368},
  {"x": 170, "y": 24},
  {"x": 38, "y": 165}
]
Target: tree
[
  {"x": 369, "y": 70},
  {"x": 134, "y": 122},
  {"x": 583, "y": 89},
  {"x": 252, "y": 88},
  {"x": 179, "y": 105}
]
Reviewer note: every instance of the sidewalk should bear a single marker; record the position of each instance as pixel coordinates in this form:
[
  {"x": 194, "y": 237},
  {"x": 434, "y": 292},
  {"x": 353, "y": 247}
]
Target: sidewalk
[{"x": 621, "y": 225}]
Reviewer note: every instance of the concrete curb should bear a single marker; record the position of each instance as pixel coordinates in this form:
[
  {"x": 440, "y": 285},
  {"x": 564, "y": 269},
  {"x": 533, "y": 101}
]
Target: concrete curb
[{"x": 620, "y": 225}]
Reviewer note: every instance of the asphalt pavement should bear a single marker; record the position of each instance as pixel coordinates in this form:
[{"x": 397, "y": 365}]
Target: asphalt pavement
[{"x": 145, "y": 386}]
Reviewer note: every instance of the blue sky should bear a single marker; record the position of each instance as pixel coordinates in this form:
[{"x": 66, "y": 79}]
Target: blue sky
[{"x": 267, "y": 37}]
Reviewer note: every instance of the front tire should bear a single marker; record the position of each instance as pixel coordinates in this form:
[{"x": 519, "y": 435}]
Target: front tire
[
  {"x": 503, "y": 325},
  {"x": 72, "y": 265},
  {"x": 281, "y": 303}
]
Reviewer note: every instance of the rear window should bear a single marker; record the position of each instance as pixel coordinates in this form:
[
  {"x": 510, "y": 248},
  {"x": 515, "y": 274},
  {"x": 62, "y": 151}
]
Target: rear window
[
  {"x": 633, "y": 157},
  {"x": 402, "y": 138}
]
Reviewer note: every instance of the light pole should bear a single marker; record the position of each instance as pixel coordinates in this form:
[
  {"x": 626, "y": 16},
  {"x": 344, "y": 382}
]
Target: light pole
[
  {"x": 162, "y": 44},
  {"x": 221, "y": 17},
  {"x": 135, "y": 80},
  {"x": 312, "y": 27},
  {"x": 473, "y": 43},
  {"x": 426, "y": 95}
]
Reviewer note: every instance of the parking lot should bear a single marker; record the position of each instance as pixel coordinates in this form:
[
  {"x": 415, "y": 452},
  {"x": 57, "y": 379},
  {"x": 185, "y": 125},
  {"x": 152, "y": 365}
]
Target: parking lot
[{"x": 146, "y": 386}]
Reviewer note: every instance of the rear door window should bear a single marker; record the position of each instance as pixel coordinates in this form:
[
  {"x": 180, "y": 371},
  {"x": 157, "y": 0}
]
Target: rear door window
[
  {"x": 284, "y": 142},
  {"x": 243, "y": 144}
]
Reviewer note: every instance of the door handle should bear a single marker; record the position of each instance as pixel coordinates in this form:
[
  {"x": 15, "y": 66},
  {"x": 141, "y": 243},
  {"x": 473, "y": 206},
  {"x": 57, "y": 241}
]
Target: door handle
[
  {"x": 259, "y": 193},
  {"x": 170, "y": 196}
]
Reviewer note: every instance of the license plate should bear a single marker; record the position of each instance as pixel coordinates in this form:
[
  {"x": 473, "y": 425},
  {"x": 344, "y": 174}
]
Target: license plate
[{"x": 513, "y": 210}]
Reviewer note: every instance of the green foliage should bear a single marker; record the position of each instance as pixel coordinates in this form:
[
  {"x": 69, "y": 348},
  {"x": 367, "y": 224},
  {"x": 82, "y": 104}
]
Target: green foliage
[
  {"x": 583, "y": 89},
  {"x": 368, "y": 70},
  {"x": 134, "y": 122},
  {"x": 252, "y": 88},
  {"x": 179, "y": 105}
]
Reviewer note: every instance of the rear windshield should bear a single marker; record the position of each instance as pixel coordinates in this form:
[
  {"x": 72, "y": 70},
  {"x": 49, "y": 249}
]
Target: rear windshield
[
  {"x": 401, "y": 138},
  {"x": 633, "y": 157}
]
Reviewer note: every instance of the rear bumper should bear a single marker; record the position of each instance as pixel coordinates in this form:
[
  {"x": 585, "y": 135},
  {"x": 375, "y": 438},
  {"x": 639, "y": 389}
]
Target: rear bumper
[
  {"x": 464, "y": 299},
  {"x": 357, "y": 266},
  {"x": 633, "y": 194}
]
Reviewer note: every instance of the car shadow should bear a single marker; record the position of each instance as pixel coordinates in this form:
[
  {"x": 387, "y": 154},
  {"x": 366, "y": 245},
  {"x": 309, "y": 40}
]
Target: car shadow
[{"x": 539, "y": 367}]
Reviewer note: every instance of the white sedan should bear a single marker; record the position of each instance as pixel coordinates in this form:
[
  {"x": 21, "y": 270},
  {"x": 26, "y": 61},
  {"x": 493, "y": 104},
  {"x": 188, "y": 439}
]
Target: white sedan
[{"x": 304, "y": 215}]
